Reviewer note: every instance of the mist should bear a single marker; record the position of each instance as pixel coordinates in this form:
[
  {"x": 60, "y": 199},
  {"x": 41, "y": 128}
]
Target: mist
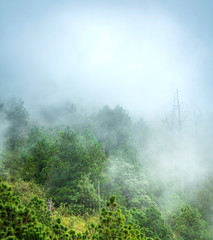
[
  {"x": 135, "y": 55},
  {"x": 68, "y": 59}
]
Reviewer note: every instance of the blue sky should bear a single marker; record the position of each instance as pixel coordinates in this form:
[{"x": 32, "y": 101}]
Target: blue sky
[{"x": 132, "y": 53}]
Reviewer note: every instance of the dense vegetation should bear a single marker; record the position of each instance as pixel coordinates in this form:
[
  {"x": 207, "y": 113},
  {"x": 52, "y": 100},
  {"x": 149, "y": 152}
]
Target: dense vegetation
[{"x": 61, "y": 171}]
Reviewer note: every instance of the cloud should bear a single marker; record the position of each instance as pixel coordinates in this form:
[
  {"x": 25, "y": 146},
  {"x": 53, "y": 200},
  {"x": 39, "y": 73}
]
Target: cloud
[{"x": 135, "y": 57}]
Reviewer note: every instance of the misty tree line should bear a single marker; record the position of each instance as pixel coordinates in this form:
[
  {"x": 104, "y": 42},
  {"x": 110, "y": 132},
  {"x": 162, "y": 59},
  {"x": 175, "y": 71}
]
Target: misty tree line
[{"x": 79, "y": 160}]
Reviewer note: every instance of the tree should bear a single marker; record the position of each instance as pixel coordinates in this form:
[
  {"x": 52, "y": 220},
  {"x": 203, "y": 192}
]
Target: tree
[
  {"x": 32, "y": 222},
  {"x": 113, "y": 225},
  {"x": 204, "y": 200},
  {"x": 129, "y": 185},
  {"x": 80, "y": 195},
  {"x": 16, "y": 221},
  {"x": 189, "y": 225},
  {"x": 79, "y": 159},
  {"x": 156, "y": 224},
  {"x": 30, "y": 162},
  {"x": 37, "y": 155},
  {"x": 148, "y": 222},
  {"x": 17, "y": 116},
  {"x": 112, "y": 127}
]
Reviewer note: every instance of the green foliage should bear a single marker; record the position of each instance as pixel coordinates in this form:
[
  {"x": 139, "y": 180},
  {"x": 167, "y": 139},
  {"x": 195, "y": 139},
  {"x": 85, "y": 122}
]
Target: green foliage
[
  {"x": 77, "y": 164},
  {"x": 20, "y": 222},
  {"x": 148, "y": 222},
  {"x": 17, "y": 116},
  {"x": 156, "y": 224},
  {"x": 27, "y": 190},
  {"x": 112, "y": 127},
  {"x": 189, "y": 225},
  {"x": 204, "y": 200},
  {"x": 37, "y": 155},
  {"x": 30, "y": 161},
  {"x": 11, "y": 163},
  {"x": 15, "y": 219},
  {"x": 68, "y": 164},
  {"x": 113, "y": 225},
  {"x": 36, "y": 222},
  {"x": 129, "y": 185},
  {"x": 80, "y": 195},
  {"x": 36, "y": 233},
  {"x": 42, "y": 213},
  {"x": 74, "y": 170}
]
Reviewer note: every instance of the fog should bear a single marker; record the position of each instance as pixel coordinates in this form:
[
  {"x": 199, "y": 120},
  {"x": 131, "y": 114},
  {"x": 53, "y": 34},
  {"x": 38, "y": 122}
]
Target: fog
[
  {"x": 128, "y": 53},
  {"x": 68, "y": 59}
]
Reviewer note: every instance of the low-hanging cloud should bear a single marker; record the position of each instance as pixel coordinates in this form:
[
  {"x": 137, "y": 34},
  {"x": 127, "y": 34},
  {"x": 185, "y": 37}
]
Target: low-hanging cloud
[{"x": 135, "y": 57}]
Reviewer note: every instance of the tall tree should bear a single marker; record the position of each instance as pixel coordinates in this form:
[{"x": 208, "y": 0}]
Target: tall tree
[
  {"x": 189, "y": 225},
  {"x": 112, "y": 127},
  {"x": 18, "y": 117},
  {"x": 79, "y": 159}
]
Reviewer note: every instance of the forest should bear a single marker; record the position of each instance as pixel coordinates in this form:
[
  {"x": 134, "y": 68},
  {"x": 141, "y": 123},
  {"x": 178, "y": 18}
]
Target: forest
[
  {"x": 73, "y": 173},
  {"x": 106, "y": 121}
]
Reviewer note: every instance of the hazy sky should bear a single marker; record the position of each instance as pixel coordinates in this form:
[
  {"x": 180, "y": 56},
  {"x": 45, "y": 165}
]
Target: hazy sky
[{"x": 132, "y": 53}]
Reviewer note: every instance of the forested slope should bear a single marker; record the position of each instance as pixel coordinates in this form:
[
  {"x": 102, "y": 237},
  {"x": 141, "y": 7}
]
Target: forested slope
[{"x": 66, "y": 168}]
